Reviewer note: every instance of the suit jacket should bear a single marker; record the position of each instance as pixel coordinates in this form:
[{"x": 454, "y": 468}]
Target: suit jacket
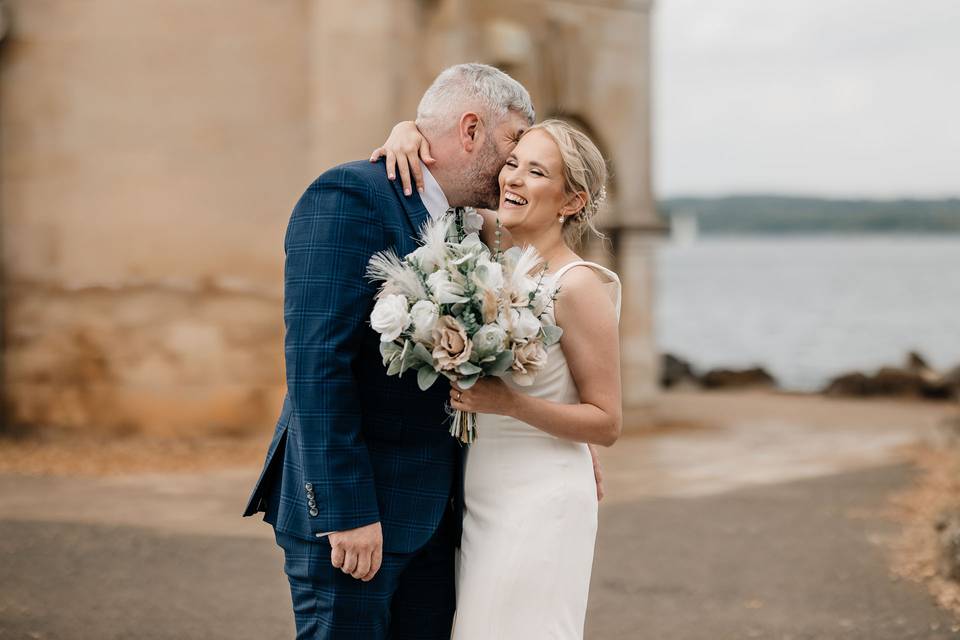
[{"x": 352, "y": 446}]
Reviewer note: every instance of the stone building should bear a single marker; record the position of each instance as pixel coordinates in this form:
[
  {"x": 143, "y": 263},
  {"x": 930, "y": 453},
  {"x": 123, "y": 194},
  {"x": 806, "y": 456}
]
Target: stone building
[{"x": 150, "y": 154}]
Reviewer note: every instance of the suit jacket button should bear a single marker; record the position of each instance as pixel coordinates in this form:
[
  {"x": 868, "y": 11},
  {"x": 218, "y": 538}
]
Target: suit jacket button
[
  {"x": 312, "y": 503},
  {"x": 308, "y": 486},
  {"x": 314, "y": 513}
]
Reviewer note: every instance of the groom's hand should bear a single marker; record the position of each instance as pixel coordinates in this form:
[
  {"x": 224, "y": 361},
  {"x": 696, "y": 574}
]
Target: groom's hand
[{"x": 358, "y": 552}]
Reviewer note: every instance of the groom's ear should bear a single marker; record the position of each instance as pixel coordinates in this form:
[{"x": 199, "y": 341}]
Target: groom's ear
[{"x": 469, "y": 131}]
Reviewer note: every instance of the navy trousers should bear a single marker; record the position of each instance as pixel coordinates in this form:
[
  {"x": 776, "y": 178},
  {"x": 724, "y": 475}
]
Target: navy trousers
[{"x": 412, "y": 596}]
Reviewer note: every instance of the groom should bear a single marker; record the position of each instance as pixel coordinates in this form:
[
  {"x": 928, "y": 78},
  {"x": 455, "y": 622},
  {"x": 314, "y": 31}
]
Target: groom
[{"x": 362, "y": 479}]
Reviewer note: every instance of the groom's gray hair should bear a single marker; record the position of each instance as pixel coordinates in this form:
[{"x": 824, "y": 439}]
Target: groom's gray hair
[{"x": 468, "y": 86}]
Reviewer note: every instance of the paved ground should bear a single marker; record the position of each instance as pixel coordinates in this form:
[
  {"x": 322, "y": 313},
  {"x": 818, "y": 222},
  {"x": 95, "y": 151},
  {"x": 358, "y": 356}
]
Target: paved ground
[
  {"x": 793, "y": 560},
  {"x": 741, "y": 530}
]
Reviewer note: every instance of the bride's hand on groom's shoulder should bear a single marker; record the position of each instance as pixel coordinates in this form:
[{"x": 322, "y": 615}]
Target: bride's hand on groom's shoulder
[
  {"x": 404, "y": 149},
  {"x": 487, "y": 395}
]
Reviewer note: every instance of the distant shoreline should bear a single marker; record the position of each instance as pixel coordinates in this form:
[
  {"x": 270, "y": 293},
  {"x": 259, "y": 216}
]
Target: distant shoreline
[{"x": 790, "y": 215}]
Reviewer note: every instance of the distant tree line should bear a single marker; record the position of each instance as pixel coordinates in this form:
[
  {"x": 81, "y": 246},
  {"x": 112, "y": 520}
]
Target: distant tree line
[{"x": 763, "y": 214}]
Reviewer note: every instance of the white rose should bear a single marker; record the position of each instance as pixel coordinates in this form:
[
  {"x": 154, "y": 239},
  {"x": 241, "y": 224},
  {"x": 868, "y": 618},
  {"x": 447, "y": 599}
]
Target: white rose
[
  {"x": 425, "y": 258},
  {"x": 526, "y": 325},
  {"x": 526, "y": 286},
  {"x": 488, "y": 274},
  {"x": 444, "y": 291},
  {"x": 489, "y": 340},
  {"x": 424, "y": 314},
  {"x": 390, "y": 317},
  {"x": 519, "y": 322},
  {"x": 472, "y": 221}
]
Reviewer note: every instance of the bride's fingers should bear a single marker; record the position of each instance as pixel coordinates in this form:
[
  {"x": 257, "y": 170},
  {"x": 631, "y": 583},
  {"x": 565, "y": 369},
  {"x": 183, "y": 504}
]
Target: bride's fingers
[
  {"x": 391, "y": 165},
  {"x": 377, "y": 153},
  {"x": 404, "y": 168},
  {"x": 597, "y": 473},
  {"x": 414, "y": 160},
  {"x": 425, "y": 152}
]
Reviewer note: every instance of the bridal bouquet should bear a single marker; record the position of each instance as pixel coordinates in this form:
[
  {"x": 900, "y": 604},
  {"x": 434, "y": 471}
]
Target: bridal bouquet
[{"x": 458, "y": 310}]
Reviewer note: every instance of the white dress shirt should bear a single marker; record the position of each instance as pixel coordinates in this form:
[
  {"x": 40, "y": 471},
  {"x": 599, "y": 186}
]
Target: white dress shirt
[{"x": 433, "y": 198}]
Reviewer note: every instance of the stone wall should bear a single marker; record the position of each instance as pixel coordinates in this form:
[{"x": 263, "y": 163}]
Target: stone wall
[{"x": 151, "y": 151}]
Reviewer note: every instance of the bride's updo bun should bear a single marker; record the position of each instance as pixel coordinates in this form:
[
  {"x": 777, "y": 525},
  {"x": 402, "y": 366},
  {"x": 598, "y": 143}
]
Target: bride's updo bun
[{"x": 584, "y": 171}]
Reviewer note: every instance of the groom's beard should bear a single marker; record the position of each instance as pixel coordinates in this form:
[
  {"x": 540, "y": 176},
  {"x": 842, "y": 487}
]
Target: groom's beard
[{"x": 484, "y": 181}]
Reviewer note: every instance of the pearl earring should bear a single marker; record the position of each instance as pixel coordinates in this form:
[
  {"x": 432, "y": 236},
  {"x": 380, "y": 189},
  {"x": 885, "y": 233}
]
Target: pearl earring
[{"x": 560, "y": 219}]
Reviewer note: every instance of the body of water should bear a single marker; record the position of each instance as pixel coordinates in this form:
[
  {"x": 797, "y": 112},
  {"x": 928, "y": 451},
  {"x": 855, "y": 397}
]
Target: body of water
[{"x": 809, "y": 308}]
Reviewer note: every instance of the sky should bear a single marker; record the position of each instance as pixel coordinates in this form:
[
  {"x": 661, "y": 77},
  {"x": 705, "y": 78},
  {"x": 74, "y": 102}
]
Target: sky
[{"x": 844, "y": 98}]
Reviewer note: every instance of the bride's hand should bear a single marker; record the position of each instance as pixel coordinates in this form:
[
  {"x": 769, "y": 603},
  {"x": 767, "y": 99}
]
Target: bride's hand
[
  {"x": 487, "y": 395},
  {"x": 404, "y": 149}
]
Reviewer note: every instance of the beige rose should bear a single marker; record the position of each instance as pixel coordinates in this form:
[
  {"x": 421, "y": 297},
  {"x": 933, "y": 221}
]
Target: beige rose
[
  {"x": 452, "y": 347},
  {"x": 528, "y": 360}
]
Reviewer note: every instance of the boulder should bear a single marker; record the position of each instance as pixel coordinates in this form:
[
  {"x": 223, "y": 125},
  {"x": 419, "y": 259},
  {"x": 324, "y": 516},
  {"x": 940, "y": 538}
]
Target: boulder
[
  {"x": 850, "y": 384},
  {"x": 952, "y": 380},
  {"x": 915, "y": 362},
  {"x": 676, "y": 372},
  {"x": 891, "y": 382},
  {"x": 737, "y": 378}
]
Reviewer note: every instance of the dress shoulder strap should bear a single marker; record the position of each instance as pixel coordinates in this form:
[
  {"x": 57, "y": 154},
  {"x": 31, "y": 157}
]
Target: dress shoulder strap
[{"x": 612, "y": 277}]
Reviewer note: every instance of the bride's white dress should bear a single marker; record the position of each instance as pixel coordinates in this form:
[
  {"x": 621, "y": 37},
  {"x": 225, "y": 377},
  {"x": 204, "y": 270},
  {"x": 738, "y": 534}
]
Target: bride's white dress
[{"x": 531, "y": 518}]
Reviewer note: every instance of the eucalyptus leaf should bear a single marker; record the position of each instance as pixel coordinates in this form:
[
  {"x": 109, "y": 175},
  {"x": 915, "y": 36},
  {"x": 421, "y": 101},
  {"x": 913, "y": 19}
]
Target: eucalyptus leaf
[
  {"x": 551, "y": 334},
  {"x": 468, "y": 369},
  {"x": 394, "y": 367},
  {"x": 389, "y": 351},
  {"x": 421, "y": 352},
  {"x": 426, "y": 376},
  {"x": 501, "y": 364},
  {"x": 468, "y": 381},
  {"x": 409, "y": 361}
]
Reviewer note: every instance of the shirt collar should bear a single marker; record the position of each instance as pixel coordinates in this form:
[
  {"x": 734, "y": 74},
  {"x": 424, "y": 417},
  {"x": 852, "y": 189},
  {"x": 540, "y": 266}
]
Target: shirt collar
[{"x": 433, "y": 198}]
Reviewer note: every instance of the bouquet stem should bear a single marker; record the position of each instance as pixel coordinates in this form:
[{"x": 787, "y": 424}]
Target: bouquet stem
[{"x": 464, "y": 426}]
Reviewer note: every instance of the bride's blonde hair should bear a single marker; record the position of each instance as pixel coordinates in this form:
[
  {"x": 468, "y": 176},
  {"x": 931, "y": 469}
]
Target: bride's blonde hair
[{"x": 584, "y": 171}]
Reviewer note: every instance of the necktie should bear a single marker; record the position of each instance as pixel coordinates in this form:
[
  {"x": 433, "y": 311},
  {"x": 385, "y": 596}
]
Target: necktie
[{"x": 455, "y": 230}]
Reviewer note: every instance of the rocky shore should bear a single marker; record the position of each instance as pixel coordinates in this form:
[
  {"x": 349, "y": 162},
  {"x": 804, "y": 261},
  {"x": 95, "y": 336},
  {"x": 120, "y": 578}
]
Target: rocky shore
[{"x": 915, "y": 379}]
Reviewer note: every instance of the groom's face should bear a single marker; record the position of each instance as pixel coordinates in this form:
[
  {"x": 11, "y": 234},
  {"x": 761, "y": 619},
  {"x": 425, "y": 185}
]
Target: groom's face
[{"x": 497, "y": 146}]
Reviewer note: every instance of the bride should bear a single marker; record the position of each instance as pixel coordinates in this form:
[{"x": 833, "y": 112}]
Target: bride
[{"x": 530, "y": 517}]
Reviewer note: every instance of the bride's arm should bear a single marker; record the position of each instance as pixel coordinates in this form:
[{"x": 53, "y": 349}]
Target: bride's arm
[
  {"x": 591, "y": 346},
  {"x": 404, "y": 149}
]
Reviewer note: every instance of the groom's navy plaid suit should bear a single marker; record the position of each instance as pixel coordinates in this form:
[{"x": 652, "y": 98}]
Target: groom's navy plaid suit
[{"x": 352, "y": 445}]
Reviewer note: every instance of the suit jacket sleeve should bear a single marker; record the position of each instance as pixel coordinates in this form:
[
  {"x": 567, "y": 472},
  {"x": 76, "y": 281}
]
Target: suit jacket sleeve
[{"x": 333, "y": 231}]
